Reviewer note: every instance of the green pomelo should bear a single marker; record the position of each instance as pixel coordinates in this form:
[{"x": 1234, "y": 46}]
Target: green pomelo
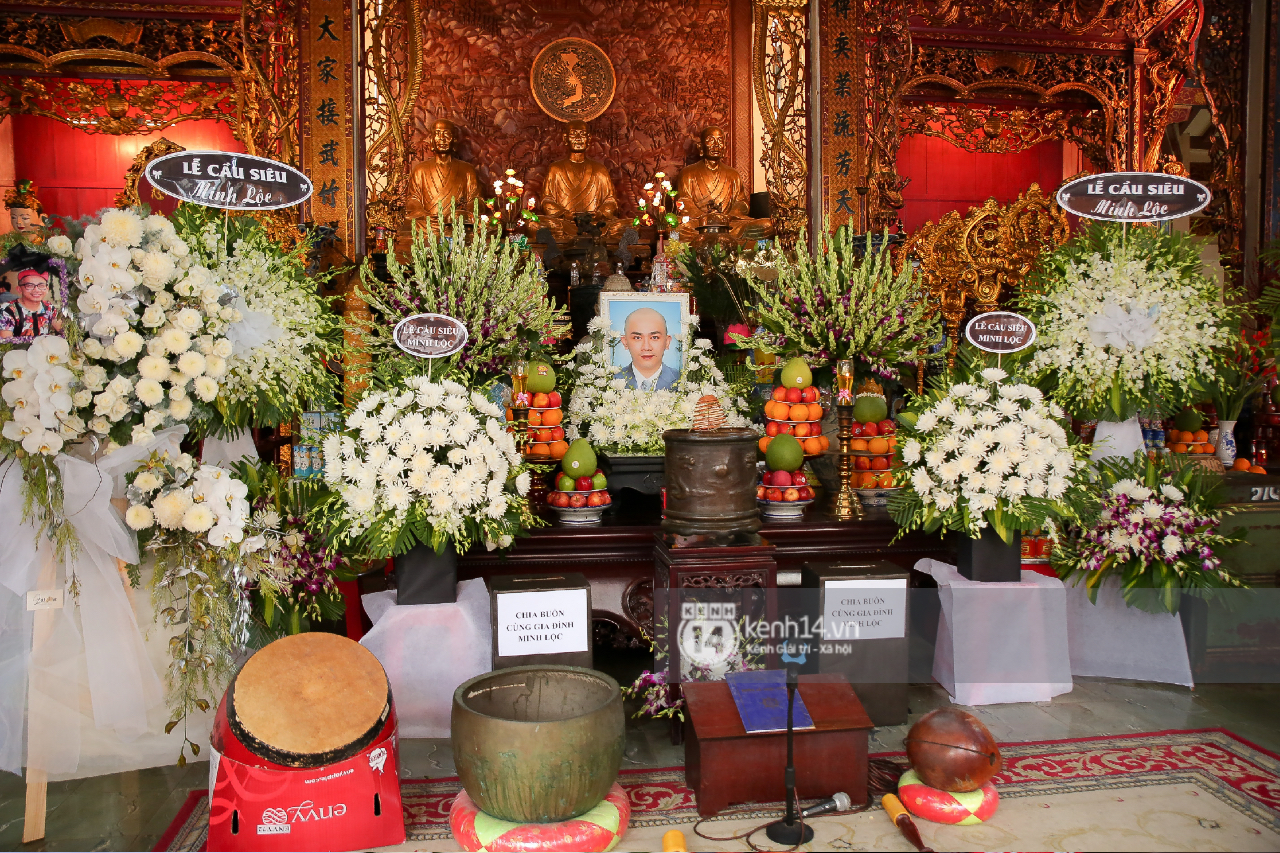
[
  {"x": 542, "y": 378},
  {"x": 796, "y": 374},
  {"x": 1188, "y": 420},
  {"x": 784, "y": 453},
  {"x": 870, "y": 409},
  {"x": 579, "y": 460}
]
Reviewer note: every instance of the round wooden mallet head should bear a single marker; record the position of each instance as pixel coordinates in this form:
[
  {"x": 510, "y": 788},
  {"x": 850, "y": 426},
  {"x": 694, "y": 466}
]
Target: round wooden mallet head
[{"x": 952, "y": 751}]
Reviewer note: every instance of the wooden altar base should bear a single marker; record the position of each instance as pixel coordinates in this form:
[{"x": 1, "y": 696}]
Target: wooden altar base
[{"x": 617, "y": 556}]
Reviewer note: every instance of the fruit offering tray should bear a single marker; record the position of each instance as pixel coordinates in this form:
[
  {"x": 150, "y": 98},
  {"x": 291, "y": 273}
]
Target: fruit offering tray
[{"x": 784, "y": 487}]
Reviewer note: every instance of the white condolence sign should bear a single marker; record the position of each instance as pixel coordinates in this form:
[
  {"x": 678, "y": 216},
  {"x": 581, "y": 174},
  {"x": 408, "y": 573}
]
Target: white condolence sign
[
  {"x": 871, "y": 609},
  {"x": 430, "y": 335},
  {"x": 228, "y": 181},
  {"x": 1133, "y": 196},
  {"x": 543, "y": 623},
  {"x": 1000, "y": 332}
]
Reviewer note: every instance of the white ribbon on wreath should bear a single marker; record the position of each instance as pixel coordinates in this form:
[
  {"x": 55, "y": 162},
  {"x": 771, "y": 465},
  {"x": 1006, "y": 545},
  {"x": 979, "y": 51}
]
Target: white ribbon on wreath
[{"x": 99, "y": 625}]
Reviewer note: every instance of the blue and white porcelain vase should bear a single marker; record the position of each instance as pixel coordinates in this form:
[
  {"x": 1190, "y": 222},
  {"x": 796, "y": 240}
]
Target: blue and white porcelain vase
[{"x": 1226, "y": 447}]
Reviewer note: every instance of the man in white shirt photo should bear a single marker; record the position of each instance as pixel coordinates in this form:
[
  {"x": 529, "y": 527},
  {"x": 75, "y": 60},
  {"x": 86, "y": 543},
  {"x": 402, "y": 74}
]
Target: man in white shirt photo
[{"x": 644, "y": 335}]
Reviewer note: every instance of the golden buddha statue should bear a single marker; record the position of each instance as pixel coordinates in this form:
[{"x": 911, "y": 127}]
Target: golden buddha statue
[
  {"x": 578, "y": 185},
  {"x": 712, "y": 187},
  {"x": 436, "y": 185}
]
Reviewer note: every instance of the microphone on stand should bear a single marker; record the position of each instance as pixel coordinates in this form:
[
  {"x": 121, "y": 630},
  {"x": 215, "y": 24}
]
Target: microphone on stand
[
  {"x": 841, "y": 802},
  {"x": 790, "y": 830}
]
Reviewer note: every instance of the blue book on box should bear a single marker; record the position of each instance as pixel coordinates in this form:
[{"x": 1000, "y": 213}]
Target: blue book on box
[{"x": 761, "y": 697}]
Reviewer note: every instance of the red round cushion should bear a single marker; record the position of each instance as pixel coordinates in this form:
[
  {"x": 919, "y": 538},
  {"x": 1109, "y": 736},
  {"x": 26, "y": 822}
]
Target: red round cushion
[
  {"x": 961, "y": 809},
  {"x": 597, "y": 830}
]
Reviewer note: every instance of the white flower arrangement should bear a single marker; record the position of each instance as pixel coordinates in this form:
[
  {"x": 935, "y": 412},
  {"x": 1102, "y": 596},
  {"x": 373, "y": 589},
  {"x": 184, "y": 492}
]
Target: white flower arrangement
[
  {"x": 627, "y": 421},
  {"x": 275, "y": 362},
  {"x": 206, "y": 501},
  {"x": 38, "y": 392},
  {"x": 1125, "y": 322},
  {"x": 427, "y": 463},
  {"x": 154, "y": 339},
  {"x": 984, "y": 451}
]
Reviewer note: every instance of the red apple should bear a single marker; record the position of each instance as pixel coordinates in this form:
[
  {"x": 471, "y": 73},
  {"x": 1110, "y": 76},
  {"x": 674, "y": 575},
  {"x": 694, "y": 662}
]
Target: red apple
[
  {"x": 862, "y": 463},
  {"x": 608, "y": 499},
  {"x": 809, "y": 395},
  {"x": 789, "y": 429},
  {"x": 766, "y": 479},
  {"x": 760, "y": 490},
  {"x": 551, "y": 498},
  {"x": 557, "y": 433},
  {"x": 888, "y": 427},
  {"x": 799, "y": 479},
  {"x": 793, "y": 395},
  {"x": 856, "y": 431},
  {"x": 553, "y": 399},
  {"x": 772, "y": 427},
  {"x": 562, "y": 498},
  {"x": 780, "y": 394},
  {"x": 806, "y": 493},
  {"x": 583, "y": 484},
  {"x": 773, "y": 494},
  {"x": 791, "y": 495},
  {"x": 879, "y": 463},
  {"x": 595, "y": 499},
  {"x": 870, "y": 429},
  {"x": 781, "y": 479},
  {"x": 577, "y": 501}
]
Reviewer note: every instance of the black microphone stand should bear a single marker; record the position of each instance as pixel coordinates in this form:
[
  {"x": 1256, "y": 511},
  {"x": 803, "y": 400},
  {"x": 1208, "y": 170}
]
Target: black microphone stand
[{"x": 790, "y": 831}]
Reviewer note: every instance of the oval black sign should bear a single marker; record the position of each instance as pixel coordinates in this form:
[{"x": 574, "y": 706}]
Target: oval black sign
[
  {"x": 229, "y": 181},
  {"x": 1000, "y": 331},
  {"x": 430, "y": 335},
  {"x": 1134, "y": 196}
]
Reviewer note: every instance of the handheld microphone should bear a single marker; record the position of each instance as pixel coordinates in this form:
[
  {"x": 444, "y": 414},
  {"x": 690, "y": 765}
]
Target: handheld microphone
[{"x": 839, "y": 803}]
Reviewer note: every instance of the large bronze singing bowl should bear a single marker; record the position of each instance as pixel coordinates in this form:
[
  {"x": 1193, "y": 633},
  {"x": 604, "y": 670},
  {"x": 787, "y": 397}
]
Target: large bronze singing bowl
[
  {"x": 952, "y": 751},
  {"x": 538, "y": 744}
]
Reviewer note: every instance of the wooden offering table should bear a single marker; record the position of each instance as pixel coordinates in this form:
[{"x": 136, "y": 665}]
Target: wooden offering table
[
  {"x": 724, "y": 765},
  {"x": 617, "y": 557}
]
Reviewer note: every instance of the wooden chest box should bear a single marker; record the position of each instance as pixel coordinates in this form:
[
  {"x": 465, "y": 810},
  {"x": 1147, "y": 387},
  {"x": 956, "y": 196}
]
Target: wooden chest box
[{"x": 725, "y": 765}]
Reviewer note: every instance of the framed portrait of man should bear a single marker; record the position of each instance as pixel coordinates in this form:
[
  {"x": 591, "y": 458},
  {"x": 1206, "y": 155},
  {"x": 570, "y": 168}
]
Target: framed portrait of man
[
  {"x": 38, "y": 293},
  {"x": 650, "y": 355}
]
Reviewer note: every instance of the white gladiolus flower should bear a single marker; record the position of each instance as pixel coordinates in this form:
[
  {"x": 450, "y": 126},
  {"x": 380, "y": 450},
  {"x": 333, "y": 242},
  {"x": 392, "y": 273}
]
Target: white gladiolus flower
[{"x": 139, "y": 517}]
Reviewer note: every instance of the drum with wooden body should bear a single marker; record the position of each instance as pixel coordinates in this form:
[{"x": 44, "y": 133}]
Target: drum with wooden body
[{"x": 305, "y": 751}]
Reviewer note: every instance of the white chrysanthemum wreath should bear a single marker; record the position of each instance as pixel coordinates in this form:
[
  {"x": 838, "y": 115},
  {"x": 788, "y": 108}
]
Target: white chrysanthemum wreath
[
  {"x": 629, "y": 422},
  {"x": 984, "y": 451}
]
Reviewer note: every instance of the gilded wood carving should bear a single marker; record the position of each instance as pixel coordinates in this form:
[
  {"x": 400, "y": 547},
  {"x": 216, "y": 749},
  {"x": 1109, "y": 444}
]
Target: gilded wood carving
[{"x": 970, "y": 264}]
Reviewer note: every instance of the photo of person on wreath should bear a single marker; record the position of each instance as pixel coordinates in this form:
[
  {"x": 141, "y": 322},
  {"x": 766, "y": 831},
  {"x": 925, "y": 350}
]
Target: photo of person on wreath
[
  {"x": 32, "y": 313},
  {"x": 646, "y": 340}
]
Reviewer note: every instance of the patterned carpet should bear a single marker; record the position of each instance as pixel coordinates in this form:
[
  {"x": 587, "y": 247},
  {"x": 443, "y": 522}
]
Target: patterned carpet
[{"x": 1197, "y": 790}]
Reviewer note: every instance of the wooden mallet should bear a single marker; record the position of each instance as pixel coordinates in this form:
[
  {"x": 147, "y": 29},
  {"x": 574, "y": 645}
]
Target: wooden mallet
[{"x": 901, "y": 819}]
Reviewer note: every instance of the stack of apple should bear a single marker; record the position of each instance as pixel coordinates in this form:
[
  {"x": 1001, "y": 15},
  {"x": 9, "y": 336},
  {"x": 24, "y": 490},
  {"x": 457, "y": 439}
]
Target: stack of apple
[
  {"x": 784, "y": 482},
  {"x": 795, "y": 410},
  {"x": 873, "y": 441},
  {"x": 580, "y": 483},
  {"x": 546, "y": 435}
]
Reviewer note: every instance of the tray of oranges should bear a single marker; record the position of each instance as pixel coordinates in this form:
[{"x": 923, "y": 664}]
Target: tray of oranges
[
  {"x": 796, "y": 412},
  {"x": 1187, "y": 442},
  {"x": 546, "y": 435}
]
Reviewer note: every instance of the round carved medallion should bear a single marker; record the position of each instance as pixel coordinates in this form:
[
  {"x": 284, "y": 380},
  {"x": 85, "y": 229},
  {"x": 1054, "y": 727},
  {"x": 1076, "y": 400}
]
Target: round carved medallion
[{"x": 572, "y": 79}]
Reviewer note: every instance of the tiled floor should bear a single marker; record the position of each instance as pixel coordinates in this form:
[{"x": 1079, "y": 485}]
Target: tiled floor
[{"x": 129, "y": 811}]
